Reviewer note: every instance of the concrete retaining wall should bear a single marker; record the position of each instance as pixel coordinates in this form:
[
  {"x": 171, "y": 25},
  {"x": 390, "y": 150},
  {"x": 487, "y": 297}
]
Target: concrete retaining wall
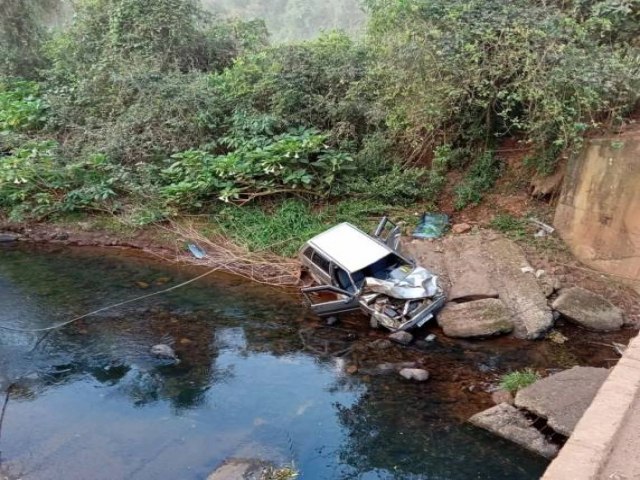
[{"x": 598, "y": 213}]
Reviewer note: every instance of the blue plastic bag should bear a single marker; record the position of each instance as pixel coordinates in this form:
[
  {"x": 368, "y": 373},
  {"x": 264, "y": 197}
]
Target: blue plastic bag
[{"x": 432, "y": 225}]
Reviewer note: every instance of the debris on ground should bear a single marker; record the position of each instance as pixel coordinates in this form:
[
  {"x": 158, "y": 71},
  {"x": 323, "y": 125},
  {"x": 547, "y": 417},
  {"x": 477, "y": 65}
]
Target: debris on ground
[
  {"x": 431, "y": 225},
  {"x": 417, "y": 374},
  {"x": 556, "y": 337},
  {"x": 508, "y": 422},
  {"x": 196, "y": 251},
  {"x": 588, "y": 309},
  {"x": 163, "y": 351},
  {"x": 562, "y": 398}
]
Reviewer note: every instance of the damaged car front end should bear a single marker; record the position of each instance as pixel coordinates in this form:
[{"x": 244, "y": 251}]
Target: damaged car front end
[{"x": 356, "y": 271}]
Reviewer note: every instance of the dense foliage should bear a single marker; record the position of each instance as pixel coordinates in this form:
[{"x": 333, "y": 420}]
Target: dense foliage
[
  {"x": 292, "y": 20},
  {"x": 150, "y": 108}
]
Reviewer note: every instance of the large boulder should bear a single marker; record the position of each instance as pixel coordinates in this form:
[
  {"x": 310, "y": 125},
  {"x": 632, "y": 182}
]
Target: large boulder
[
  {"x": 588, "y": 309},
  {"x": 562, "y": 398},
  {"x": 480, "y": 318},
  {"x": 508, "y": 422}
]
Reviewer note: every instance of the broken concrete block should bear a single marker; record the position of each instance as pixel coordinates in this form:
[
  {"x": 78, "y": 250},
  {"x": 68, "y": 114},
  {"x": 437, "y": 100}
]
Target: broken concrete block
[
  {"x": 563, "y": 398},
  {"x": 519, "y": 291},
  {"x": 588, "y": 309},
  {"x": 509, "y": 423}
]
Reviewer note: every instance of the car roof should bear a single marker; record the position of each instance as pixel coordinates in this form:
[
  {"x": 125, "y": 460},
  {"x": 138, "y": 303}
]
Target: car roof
[{"x": 349, "y": 247}]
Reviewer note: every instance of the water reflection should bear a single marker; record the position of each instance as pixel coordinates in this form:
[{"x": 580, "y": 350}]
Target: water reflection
[{"x": 91, "y": 402}]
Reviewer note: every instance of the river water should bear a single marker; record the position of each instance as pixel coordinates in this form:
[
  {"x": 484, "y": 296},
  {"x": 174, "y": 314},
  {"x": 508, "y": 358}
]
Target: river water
[{"x": 257, "y": 379}]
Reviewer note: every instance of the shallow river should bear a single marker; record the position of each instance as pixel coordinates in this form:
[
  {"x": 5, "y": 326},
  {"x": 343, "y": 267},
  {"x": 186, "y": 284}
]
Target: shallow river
[{"x": 257, "y": 379}]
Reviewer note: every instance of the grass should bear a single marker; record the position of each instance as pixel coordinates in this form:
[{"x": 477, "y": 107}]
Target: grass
[
  {"x": 513, "y": 227},
  {"x": 282, "y": 228},
  {"x": 514, "y": 381}
]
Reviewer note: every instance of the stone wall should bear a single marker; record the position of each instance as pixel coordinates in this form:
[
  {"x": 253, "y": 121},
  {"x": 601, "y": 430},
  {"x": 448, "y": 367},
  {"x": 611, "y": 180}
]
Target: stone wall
[{"x": 598, "y": 213}]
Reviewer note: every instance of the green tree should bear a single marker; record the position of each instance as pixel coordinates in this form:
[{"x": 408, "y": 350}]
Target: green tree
[{"x": 22, "y": 34}]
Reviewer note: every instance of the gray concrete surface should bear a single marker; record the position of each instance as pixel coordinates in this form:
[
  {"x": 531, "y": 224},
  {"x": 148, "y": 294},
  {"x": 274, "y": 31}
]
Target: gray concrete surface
[
  {"x": 605, "y": 443},
  {"x": 563, "y": 398}
]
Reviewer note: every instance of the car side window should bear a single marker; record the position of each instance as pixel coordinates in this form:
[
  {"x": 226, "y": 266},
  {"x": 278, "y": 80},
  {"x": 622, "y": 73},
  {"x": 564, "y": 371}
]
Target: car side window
[
  {"x": 320, "y": 261},
  {"x": 308, "y": 252}
]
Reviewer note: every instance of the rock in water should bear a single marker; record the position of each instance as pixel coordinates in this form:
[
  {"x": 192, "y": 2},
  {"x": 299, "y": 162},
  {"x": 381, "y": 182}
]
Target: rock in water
[
  {"x": 563, "y": 398},
  {"x": 403, "y": 338},
  {"x": 588, "y": 310},
  {"x": 164, "y": 351},
  {"x": 508, "y": 422},
  {"x": 239, "y": 469},
  {"x": 482, "y": 318},
  {"x": 417, "y": 374}
]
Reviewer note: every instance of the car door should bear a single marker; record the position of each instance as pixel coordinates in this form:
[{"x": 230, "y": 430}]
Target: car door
[
  {"x": 327, "y": 300},
  {"x": 337, "y": 296},
  {"x": 388, "y": 232}
]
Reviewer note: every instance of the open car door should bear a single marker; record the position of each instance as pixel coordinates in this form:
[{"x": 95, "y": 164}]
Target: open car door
[
  {"x": 327, "y": 300},
  {"x": 388, "y": 232}
]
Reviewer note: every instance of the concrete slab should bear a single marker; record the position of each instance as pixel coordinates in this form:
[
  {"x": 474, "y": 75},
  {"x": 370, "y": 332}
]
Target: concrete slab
[
  {"x": 519, "y": 290},
  {"x": 563, "y": 398},
  {"x": 466, "y": 264},
  {"x": 508, "y": 422}
]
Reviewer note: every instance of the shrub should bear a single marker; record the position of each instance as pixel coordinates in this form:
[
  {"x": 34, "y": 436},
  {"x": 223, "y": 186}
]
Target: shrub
[
  {"x": 480, "y": 177},
  {"x": 298, "y": 161},
  {"x": 471, "y": 71},
  {"x": 21, "y": 106},
  {"x": 514, "y": 381},
  {"x": 306, "y": 84},
  {"x": 510, "y": 225}
]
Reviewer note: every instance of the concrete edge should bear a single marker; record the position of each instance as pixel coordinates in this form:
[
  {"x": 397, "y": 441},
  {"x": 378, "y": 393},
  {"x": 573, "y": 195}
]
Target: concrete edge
[{"x": 586, "y": 452}]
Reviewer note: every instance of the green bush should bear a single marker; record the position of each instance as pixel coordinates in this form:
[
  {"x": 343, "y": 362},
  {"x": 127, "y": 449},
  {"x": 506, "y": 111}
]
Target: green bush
[
  {"x": 306, "y": 84},
  {"x": 296, "y": 162},
  {"x": 479, "y": 179},
  {"x": 514, "y": 381},
  {"x": 21, "y": 106},
  {"x": 471, "y": 71},
  {"x": 36, "y": 182}
]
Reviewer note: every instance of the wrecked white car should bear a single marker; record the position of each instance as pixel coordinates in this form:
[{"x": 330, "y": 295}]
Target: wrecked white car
[{"x": 356, "y": 271}]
